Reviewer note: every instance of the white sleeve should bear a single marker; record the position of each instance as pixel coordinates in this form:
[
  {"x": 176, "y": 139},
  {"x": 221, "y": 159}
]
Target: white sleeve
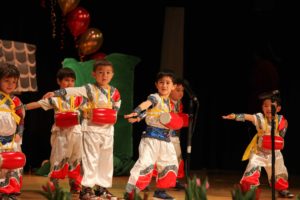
[
  {"x": 45, "y": 104},
  {"x": 76, "y": 91}
]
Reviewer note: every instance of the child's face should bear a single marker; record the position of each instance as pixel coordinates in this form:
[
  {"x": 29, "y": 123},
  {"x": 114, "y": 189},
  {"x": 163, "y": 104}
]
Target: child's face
[
  {"x": 66, "y": 82},
  {"x": 177, "y": 93},
  {"x": 8, "y": 84},
  {"x": 164, "y": 86},
  {"x": 103, "y": 75},
  {"x": 267, "y": 108}
]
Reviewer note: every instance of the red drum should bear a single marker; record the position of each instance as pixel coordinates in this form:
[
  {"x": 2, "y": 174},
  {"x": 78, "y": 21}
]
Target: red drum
[
  {"x": 267, "y": 142},
  {"x": 66, "y": 119},
  {"x": 185, "y": 119},
  {"x": 171, "y": 120},
  {"x": 12, "y": 160},
  {"x": 103, "y": 116}
]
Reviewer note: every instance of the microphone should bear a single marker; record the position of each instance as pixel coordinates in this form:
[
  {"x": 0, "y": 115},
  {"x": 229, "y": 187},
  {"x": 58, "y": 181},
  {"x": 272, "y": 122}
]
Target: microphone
[
  {"x": 189, "y": 90},
  {"x": 269, "y": 94}
]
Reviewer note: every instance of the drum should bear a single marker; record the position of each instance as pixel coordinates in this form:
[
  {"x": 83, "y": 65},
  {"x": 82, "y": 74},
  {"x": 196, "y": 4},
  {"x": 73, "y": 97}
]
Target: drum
[
  {"x": 103, "y": 116},
  {"x": 12, "y": 160},
  {"x": 185, "y": 119},
  {"x": 66, "y": 119},
  {"x": 267, "y": 142},
  {"x": 171, "y": 120}
]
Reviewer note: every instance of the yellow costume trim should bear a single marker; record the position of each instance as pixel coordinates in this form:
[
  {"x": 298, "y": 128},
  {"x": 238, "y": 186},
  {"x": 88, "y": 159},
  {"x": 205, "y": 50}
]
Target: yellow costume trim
[
  {"x": 72, "y": 104},
  {"x": 253, "y": 144},
  {"x": 93, "y": 104},
  {"x": 156, "y": 112},
  {"x": 12, "y": 110}
]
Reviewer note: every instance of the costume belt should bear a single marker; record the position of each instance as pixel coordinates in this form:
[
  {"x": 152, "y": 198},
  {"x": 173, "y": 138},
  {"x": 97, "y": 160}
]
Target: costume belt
[
  {"x": 6, "y": 139},
  {"x": 158, "y": 133}
]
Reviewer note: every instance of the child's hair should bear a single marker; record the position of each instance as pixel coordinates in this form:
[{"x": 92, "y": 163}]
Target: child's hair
[
  {"x": 8, "y": 70},
  {"x": 275, "y": 98},
  {"x": 166, "y": 72},
  {"x": 179, "y": 81},
  {"x": 271, "y": 95},
  {"x": 100, "y": 63},
  {"x": 65, "y": 72}
]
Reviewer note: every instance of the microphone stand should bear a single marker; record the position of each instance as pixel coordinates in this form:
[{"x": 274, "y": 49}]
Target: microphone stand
[
  {"x": 193, "y": 113},
  {"x": 273, "y": 146}
]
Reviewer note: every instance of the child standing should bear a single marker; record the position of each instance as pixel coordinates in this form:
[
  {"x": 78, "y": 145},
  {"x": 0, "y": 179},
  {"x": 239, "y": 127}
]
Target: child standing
[
  {"x": 66, "y": 137},
  {"x": 176, "y": 97},
  {"x": 155, "y": 146},
  {"x": 11, "y": 129},
  {"x": 259, "y": 152},
  {"x": 97, "y": 155}
]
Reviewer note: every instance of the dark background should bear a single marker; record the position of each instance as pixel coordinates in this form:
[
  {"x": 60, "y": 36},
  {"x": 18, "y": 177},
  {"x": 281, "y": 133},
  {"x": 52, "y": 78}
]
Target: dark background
[{"x": 233, "y": 51}]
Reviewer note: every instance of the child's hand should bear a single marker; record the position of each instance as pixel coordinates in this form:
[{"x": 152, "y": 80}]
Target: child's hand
[
  {"x": 131, "y": 115},
  {"x": 17, "y": 138},
  {"x": 48, "y": 95},
  {"x": 230, "y": 116},
  {"x": 133, "y": 120}
]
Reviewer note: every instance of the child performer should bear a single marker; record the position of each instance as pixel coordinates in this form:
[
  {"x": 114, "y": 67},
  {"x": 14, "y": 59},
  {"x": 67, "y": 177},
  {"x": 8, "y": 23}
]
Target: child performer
[
  {"x": 66, "y": 137},
  {"x": 11, "y": 129},
  {"x": 259, "y": 150},
  {"x": 155, "y": 145},
  {"x": 176, "y": 102},
  {"x": 97, "y": 158}
]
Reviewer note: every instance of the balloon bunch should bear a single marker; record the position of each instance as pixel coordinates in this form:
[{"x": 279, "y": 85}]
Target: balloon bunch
[{"x": 88, "y": 40}]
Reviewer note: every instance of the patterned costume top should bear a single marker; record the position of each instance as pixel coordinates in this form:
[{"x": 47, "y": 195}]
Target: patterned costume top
[
  {"x": 11, "y": 115},
  {"x": 103, "y": 98},
  {"x": 177, "y": 106},
  {"x": 97, "y": 98},
  {"x": 159, "y": 106},
  {"x": 63, "y": 104},
  {"x": 263, "y": 128}
]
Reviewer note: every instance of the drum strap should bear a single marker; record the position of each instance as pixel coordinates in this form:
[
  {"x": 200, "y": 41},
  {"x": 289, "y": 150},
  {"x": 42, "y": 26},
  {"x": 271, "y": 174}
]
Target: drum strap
[
  {"x": 72, "y": 104},
  {"x": 156, "y": 111},
  {"x": 12, "y": 110},
  {"x": 94, "y": 103},
  {"x": 253, "y": 144}
]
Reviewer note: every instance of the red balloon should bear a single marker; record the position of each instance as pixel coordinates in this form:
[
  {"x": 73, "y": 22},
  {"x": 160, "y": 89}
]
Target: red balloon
[{"x": 78, "y": 21}]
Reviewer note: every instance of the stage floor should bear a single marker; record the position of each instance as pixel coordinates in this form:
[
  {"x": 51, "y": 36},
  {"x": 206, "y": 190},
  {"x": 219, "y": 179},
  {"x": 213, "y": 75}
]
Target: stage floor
[{"x": 221, "y": 185}]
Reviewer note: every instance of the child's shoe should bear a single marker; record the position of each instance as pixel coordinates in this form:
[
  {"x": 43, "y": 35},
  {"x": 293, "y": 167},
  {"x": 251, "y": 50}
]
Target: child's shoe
[
  {"x": 8, "y": 197},
  {"x": 87, "y": 193},
  {"x": 161, "y": 194},
  {"x": 285, "y": 194},
  {"x": 103, "y": 192}
]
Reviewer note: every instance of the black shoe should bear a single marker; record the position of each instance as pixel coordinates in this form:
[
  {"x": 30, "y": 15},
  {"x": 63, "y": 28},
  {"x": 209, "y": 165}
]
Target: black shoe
[
  {"x": 87, "y": 193},
  {"x": 103, "y": 192},
  {"x": 161, "y": 194},
  {"x": 179, "y": 186},
  {"x": 8, "y": 197},
  {"x": 285, "y": 194}
]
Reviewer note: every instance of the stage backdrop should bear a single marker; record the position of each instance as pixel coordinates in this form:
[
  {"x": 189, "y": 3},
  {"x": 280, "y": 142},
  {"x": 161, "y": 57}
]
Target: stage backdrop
[{"x": 123, "y": 80}]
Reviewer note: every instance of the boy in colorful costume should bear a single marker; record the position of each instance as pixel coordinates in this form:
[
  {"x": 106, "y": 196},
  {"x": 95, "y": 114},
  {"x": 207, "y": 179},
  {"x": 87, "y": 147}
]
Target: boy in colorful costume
[
  {"x": 66, "y": 137},
  {"x": 97, "y": 155},
  {"x": 259, "y": 151},
  {"x": 155, "y": 146},
  {"x": 11, "y": 130}
]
